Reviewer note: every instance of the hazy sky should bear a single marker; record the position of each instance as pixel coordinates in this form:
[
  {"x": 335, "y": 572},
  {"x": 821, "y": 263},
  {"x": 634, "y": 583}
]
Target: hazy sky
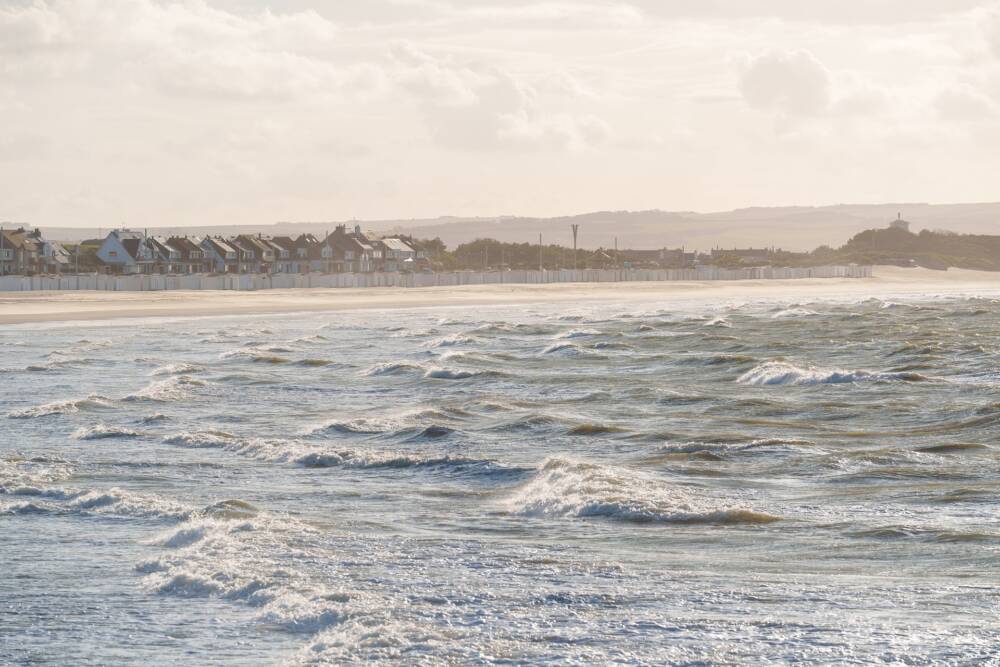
[{"x": 230, "y": 111}]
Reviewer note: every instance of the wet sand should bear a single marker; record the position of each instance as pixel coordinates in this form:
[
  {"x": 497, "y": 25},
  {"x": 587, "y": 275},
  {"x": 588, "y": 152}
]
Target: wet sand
[{"x": 27, "y": 307}]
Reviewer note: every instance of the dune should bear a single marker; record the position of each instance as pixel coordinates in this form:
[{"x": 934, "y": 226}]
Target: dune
[{"x": 27, "y": 307}]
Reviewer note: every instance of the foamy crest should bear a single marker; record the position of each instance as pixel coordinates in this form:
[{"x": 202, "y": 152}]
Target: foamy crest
[
  {"x": 176, "y": 388},
  {"x": 317, "y": 456},
  {"x": 114, "y": 501},
  {"x": 73, "y": 406},
  {"x": 247, "y": 561},
  {"x": 565, "y": 488},
  {"x": 182, "y": 368},
  {"x": 452, "y": 340},
  {"x": 103, "y": 431},
  {"x": 439, "y": 373},
  {"x": 393, "y": 368},
  {"x": 256, "y": 354},
  {"x": 578, "y": 333},
  {"x": 789, "y": 313},
  {"x": 784, "y": 373}
]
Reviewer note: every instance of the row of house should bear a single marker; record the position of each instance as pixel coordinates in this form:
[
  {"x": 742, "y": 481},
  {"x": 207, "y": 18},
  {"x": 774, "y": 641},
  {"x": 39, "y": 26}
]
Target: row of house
[
  {"x": 24, "y": 251},
  {"x": 341, "y": 251}
]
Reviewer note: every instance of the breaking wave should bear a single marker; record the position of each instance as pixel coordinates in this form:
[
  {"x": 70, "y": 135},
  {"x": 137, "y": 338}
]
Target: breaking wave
[
  {"x": 788, "y": 313},
  {"x": 172, "y": 389},
  {"x": 565, "y": 488},
  {"x": 114, "y": 501},
  {"x": 182, "y": 368},
  {"x": 393, "y": 368},
  {"x": 783, "y": 373},
  {"x": 94, "y": 402},
  {"x": 104, "y": 431},
  {"x": 314, "y": 456}
]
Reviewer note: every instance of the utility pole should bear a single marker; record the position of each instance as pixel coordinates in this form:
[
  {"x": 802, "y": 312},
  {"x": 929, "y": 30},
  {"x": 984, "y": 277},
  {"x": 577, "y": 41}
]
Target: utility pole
[
  {"x": 576, "y": 229},
  {"x": 617, "y": 262},
  {"x": 3, "y": 271},
  {"x": 540, "y": 253}
]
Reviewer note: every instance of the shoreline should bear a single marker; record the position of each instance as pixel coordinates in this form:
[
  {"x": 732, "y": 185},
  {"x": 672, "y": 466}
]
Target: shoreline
[{"x": 72, "y": 306}]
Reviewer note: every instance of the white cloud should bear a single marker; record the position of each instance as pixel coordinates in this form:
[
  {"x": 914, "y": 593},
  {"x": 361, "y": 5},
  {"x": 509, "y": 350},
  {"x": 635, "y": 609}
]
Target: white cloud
[
  {"x": 472, "y": 107},
  {"x": 794, "y": 83},
  {"x": 993, "y": 33},
  {"x": 964, "y": 103}
]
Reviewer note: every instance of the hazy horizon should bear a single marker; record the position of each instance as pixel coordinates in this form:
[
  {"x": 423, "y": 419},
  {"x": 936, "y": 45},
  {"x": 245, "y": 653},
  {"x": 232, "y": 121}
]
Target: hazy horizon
[{"x": 247, "y": 112}]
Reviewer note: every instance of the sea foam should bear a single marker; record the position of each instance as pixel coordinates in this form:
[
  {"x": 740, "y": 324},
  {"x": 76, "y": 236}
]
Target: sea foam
[
  {"x": 566, "y": 488},
  {"x": 784, "y": 373}
]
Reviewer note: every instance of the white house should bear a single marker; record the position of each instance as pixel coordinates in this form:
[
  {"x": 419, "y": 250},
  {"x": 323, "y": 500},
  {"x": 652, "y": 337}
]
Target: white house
[{"x": 126, "y": 251}]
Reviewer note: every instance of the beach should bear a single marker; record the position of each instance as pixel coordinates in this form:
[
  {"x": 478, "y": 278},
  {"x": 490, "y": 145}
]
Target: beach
[{"x": 26, "y": 307}]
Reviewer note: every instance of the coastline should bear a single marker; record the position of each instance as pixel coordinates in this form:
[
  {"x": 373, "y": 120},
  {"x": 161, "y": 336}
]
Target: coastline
[{"x": 70, "y": 306}]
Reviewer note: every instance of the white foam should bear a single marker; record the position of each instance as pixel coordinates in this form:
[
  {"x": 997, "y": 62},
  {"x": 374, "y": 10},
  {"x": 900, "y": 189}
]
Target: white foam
[
  {"x": 175, "y": 388},
  {"x": 565, "y": 488},
  {"x": 102, "y": 431},
  {"x": 789, "y": 313},
  {"x": 182, "y": 368},
  {"x": 784, "y": 373},
  {"x": 452, "y": 340},
  {"x": 392, "y": 368},
  {"x": 277, "y": 450},
  {"x": 439, "y": 373},
  {"x": 72, "y": 406},
  {"x": 577, "y": 333}
]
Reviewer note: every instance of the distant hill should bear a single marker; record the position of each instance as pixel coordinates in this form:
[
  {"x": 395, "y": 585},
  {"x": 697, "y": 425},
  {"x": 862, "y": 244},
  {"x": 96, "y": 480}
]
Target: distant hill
[{"x": 798, "y": 228}]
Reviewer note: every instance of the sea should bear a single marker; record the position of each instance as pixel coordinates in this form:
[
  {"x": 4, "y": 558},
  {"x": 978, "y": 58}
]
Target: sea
[{"x": 692, "y": 481}]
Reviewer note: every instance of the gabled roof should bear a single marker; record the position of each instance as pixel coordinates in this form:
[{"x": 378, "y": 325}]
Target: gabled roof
[
  {"x": 399, "y": 245},
  {"x": 283, "y": 243},
  {"x": 184, "y": 244},
  {"x": 220, "y": 245}
]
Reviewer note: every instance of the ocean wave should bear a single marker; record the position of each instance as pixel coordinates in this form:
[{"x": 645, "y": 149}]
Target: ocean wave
[
  {"x": 313, "y": 456},
  {"x": 175, "y": 388},
  {"x": 315, "y": 363},
  {"x": 783, "y": 373},
  {"x": 393, "y": 368},
  {"x": 569, "y": 349},
  {"x": 452, "y": 340},
  {"x": 565, "y": 488},
  {"x": 245, "y": 561},
  {"x": 113, "y": 501},
  {"x": 789, "y": 313},
  {"x": 720, "y": 322},
  {"x": 596, "y": 429},
  {"x": 104, "y": 431},
  {"x": 256, "y": 355},
  {"x": 440, "y": 373},
  {"x": 73, "y": 406},
  {"x": 314, "y": 338},
  {"x": 577, "y": 333},
  {"x": 181, "y": 368}
]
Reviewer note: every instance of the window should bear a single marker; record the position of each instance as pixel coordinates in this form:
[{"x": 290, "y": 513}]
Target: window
[{"x": 113, "y": 253}]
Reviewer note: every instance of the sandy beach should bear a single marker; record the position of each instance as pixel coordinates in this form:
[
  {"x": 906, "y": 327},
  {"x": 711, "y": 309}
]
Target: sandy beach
[{"x": 26, "y": 307}]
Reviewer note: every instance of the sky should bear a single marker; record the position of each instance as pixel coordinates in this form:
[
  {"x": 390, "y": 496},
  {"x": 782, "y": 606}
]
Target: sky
[{"x": 151, "y": 113}]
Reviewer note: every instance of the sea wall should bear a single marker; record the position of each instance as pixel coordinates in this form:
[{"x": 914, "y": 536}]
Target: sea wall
[{"x": 252, "y": 282}]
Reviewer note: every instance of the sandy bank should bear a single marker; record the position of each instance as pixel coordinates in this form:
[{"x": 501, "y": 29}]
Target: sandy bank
[{"x": 25, "y": 307}]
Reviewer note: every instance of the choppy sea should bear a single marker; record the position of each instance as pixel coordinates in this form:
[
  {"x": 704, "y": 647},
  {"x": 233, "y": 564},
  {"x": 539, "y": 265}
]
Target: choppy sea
[{"x": 683, "y": 482}]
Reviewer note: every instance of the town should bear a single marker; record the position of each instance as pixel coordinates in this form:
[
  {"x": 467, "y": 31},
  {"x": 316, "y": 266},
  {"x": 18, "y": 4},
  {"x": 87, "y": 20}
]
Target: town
[{"x": 25, "y": 251}]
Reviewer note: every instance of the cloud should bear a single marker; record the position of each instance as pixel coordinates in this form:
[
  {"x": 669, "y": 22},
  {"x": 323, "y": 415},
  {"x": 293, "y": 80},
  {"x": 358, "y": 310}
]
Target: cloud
[
  {"x": 474, "y": 107},
  {"x": 814, "y": 11},
  {"x": 28, "y": 28},
  {"x": 793, "y": 83},
  {"x": 993, "y": 33},
  {"x": 964, "y": 103}
]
